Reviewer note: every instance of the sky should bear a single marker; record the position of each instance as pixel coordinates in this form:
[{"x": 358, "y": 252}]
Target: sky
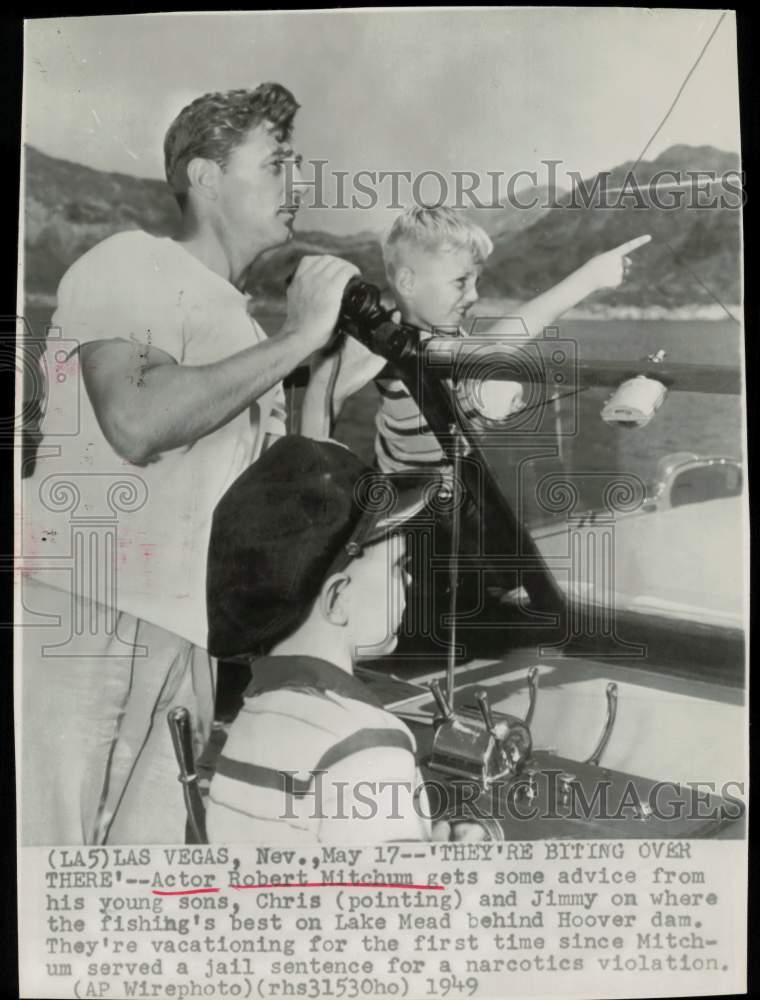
[{"x": 459, "y": 89}]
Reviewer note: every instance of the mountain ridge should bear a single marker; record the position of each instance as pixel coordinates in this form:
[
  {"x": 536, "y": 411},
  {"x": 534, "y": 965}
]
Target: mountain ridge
[{"x": 693, "y": 260}]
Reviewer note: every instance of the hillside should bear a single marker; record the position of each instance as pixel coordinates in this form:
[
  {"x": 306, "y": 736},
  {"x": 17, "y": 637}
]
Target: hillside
[
  {"x": 694, "y": 251},
  {"x": 70, "y": 207}
]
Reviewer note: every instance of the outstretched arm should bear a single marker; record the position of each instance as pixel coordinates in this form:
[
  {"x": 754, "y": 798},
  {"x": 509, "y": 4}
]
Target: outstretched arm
[{"x": 606, "y": 270}]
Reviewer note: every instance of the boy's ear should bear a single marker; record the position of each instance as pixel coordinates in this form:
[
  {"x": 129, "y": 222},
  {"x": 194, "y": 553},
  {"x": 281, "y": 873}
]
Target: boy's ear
[
  {"x": 203, "y": 176},
  {"x": 331, "y": 601},
  {"x": 405, "y": 280}
]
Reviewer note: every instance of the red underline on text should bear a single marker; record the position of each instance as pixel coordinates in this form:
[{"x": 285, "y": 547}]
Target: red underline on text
[{"x": 181, "y": 892}]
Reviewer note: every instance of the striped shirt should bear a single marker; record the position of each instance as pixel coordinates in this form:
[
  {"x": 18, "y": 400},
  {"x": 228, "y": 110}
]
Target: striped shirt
[
  {"x": 314, "y": 757},
  {"x": 404, "y": 439}
]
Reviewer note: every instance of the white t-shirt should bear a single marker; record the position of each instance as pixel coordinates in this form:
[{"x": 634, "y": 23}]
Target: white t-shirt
[{"x": 146, "y": 290}]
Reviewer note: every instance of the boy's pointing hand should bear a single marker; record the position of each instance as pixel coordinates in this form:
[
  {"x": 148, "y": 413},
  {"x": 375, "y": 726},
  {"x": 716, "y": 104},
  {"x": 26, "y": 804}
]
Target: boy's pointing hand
[{"x": 610, "y": 269}]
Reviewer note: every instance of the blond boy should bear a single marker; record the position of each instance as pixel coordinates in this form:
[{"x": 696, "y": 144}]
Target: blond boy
[{"x": 433, "y": 260}]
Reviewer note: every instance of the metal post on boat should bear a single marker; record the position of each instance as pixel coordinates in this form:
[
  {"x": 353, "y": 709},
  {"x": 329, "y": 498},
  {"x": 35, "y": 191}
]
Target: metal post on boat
[{"x": 456, "y": 524}]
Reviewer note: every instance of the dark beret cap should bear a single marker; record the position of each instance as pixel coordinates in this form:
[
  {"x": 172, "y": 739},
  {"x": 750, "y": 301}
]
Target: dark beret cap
[{"x": 278, "y": 530}]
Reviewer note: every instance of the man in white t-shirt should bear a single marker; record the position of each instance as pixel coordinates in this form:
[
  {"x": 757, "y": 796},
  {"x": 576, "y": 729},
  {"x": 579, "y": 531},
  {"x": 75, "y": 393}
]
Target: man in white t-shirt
[{"x": 174, "y": 390}]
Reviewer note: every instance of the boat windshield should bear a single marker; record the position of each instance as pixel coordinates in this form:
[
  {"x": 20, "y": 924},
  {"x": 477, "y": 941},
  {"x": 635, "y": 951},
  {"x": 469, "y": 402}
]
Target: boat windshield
[{"x": 648, "y": 517}]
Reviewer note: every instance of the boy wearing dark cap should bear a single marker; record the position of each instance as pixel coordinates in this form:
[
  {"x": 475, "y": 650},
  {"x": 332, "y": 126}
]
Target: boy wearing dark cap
[{"x": 307, "y": 571}]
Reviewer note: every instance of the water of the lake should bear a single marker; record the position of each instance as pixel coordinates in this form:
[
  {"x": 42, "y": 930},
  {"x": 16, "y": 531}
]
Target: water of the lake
[{"x": 694, "y": 422}]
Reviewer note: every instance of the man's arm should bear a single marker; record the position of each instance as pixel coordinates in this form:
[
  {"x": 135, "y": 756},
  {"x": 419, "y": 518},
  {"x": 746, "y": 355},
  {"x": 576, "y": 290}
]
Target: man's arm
[
  {"x": 606, "y": 270},
  {"x": 146, "y": 403}
]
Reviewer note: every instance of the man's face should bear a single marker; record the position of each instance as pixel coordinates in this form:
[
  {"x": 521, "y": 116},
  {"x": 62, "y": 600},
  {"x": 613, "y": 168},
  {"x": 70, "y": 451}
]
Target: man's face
[
  {"x": 441, "y": 288},
  {"x": 375, "y": 597},
  {"x": 252, "y": 190}
]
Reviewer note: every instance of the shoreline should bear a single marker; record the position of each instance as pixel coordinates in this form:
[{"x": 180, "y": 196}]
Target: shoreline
[{"x": 707, "y": 312}]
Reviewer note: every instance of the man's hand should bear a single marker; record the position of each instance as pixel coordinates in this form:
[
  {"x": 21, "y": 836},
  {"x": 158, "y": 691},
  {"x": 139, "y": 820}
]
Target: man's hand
[
  {"x": 314, "y": 298},
  {"x": 610, "y": 269}
]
